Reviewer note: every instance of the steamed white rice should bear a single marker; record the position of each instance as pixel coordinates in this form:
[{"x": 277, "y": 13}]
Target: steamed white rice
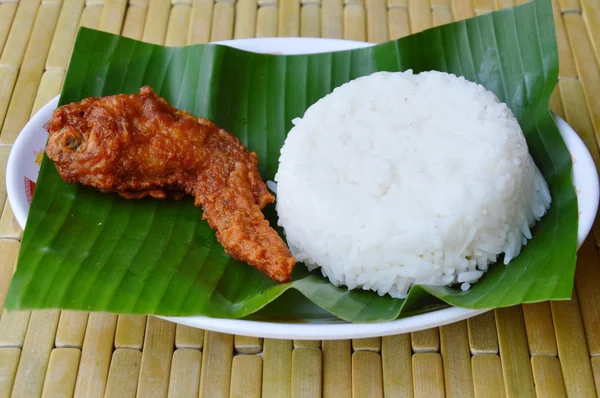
[{"x": 397, "y": 179}]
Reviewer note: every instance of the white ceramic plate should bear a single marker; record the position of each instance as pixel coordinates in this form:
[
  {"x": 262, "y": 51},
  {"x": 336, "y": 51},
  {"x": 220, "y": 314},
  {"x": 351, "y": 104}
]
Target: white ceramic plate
[{"x": 26, "y": 155}]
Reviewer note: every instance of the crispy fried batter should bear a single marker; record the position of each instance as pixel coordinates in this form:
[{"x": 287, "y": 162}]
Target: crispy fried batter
[{"x": 139, "y": 145}]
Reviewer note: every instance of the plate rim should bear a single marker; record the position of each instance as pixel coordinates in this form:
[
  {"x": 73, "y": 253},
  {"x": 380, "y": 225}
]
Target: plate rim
[{"x": 317, "y": 330}]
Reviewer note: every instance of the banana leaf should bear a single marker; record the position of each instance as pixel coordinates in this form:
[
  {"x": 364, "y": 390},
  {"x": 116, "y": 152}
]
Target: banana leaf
[{"x": 84, "y": 250}]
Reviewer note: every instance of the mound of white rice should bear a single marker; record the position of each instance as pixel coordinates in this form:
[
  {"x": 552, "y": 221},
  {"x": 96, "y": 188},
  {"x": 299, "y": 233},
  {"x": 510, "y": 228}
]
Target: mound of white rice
[{"x": 397, "y": 179}]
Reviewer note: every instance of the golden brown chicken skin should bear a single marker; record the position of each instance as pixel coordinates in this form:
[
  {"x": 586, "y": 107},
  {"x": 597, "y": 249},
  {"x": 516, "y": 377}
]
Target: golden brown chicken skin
[{"x": 139, "y": 145}]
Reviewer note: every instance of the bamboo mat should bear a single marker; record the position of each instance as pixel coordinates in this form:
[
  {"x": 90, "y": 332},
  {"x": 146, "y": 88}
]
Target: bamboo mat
[{"x": 548, "y": 349}]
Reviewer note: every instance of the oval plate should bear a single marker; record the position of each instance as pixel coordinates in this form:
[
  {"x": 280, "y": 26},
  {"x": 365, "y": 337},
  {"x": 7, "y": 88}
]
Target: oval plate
[{"x": 26, "y": 155}]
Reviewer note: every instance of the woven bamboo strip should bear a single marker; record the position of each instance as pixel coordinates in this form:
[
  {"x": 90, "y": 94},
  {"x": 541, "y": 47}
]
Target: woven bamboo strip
[
  {"x": 398, "y": 23},
  {"x": 289, "y": 18},
  {"x": 9, "y": 227},
  {"x": 13, "y": 327},
  {"x": 376, "y": 10},
  {"x": 566, "y": 63},
  {"x": 572, "y": 348},
  {"x": 420, "y": 15},
  {"x": 9, "y": 360},
  {"x": 310, "y": 24},
  {"x": 185, "y": 373},
  {"x": 246, "y": 376},
  {"x": 391, "y": 4},
  {"x": 548, "y": 376},
  {"x": 113, "y": 13},
  {"x": 482, "y": 334},
  {"x": 367, "y": 374},
  {"x": 200, "y": 20},
  {"x": 135, "y": 18},
  {"x": 35, "y": 354},
  {"x": 487, "y": 376},
  {"x": 123, "y": 374},
  {"x": 61, "y": 374},
  {"x": 8, "y": 78},
  {"x": 368, "y": 344},
  {"x": 332, "y": 19},
  {"x": 569, "y": 6},
  {"x": 143, "y": 3},
  {"x": 428, "y": 375},
  {"x": 462, "y": 9},
  {"x": 307, "y": 368},
  {"x": 540, "y": 331},
  {"x": 596, "y": 370},
  {"x": 266, "y": 22},
  {"x": 188, "y": 337},
  {"x": 483, "y": 6},
  {"x": 425, "y": 340},
  {"x": 130, "y": 331},
  {"x": 337, "y": 368},
  {"x": 222, "y": 22},
  {"x": 556, "y": 105},
  {"x": 591, "y": 15},
  {"x": 14, "y": 47},
  {"x": 504, "y": 4},
  {"x": 245, "y": 22},
  {"x": 458, "y": 376},
  {"x": 95, "y": 355},
  {"x": 307, "y": 343},
  {"x": 157, "y": 18},
  {"x": 397, "y": 366},
  {"x": 277, "y": 368},
  {"x": 216, "y": 364},
  {"x": 248, "y": 345},
  {"x": 267, "y": 3},
  {"x": 175, "y": 2},
  {"x": 587, "y": 280},
  {"x": 7, "y": 14},
  {"x": 440, "y": 4},
  {"x": 30, "y": 74},
  {"x": 395, "y": 4},
  {"x": 9, "y": 250},
  {"x": 50, "y": 85},
  {"x": 441, "y": 16},
  {"x": 100, "y": 2},
  {"x": 4, "y": 152},
  {"x": 354, "y": 22},
  {"x": 8, "y": 261},
  {"x": 64, "y": 35},
  {"x": 90, "y": 17},
  {"x": 177, "y": 29},
  {"x": 159, "y": 341},
  {"x": 71, "y": 329},
  {"x": 514, "y": 352}
]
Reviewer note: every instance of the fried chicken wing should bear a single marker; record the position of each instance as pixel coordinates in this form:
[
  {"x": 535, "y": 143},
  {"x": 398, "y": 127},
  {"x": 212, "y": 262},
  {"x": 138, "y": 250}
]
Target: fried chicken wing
[{"x": 139, "y": 145}]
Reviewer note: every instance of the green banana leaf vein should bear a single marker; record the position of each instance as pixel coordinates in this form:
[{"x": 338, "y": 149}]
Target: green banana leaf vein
[{"x": 84, "y": 250}]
